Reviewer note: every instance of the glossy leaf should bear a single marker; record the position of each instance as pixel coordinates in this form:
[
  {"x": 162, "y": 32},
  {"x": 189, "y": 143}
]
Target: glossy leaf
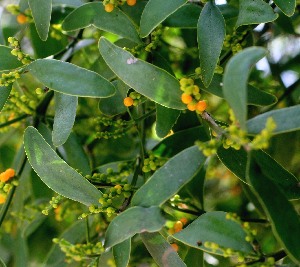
[
  {"x": 235, "y": 80},
  {"x": 286, "y": 6},
  {"x": 284, "y": 218},
  {"x": 161, "y": 251},
  {"x": 236, "y": 162},
  {"x": 65, "y": 113},
  {"x": 69, "y": 79},
  {"x": 211, "y": 34},
  {"x": 145, "y": 78},
  {"x": 55, "y": 172},
  {"x": 8, "y": 61},
  {"x": 194, "y": 257},
  {"x": 114, "y": 105},
  {"x": 167, "y": 180},
  {"x": 133, "y": 221},
  {"x": 165, "y": 119},
  {"x": 185, "y": 17},
  {"x": 4, "y": 94},
  {"x": 255, "y": 96},
  {"x": 155, "y": 12},
  {"x": 121, "y": 253},
  {"x": 214, "y": 227},
  {"x": 41, "y": 13},
  {"x": 254, "y": 12},
  {"x": 286, "y": 119},
  {"x": 94, "y": 14}
]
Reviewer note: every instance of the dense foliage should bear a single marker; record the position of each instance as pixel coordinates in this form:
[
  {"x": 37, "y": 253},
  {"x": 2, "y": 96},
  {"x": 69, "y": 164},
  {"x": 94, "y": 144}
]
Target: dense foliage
[{"x": 144, "y": 133}]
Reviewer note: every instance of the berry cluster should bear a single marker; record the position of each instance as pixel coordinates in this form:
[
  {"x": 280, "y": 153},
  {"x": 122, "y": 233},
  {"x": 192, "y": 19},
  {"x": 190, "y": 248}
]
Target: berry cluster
[
  {"x": 22, "y": 17},
  {"x": 15, "y": 44},
  {"x": 191, "y": 96},
  {"x": 9, "y": 78},
  {"x": 178, "y": 226},
  {"x": 53, "y": 204},
  {"x": 155, "y": 39},
  {"x": 210, "y": 147},
  {"x": 6, "y": 183},
  {"x": 134, "y": 99},
  {"x": 235, "y": 41},
  {"x": 153, "y": 162},
  {"x": 109, "y": 5}
]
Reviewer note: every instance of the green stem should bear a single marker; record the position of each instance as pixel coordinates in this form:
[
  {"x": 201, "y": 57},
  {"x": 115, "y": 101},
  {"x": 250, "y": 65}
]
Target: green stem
[
  {"x": 145, "y": 116},
  {"x": 24, "y": 116}
]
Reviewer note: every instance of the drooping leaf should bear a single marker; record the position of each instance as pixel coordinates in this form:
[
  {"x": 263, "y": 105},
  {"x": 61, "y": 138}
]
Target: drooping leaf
[
  {"x": 94, "y": 14},
  {"x": 55, "y": 172},
  {"x": 236, "y": 162},
  {"x": 214, "y": 227},
  {"x": 64, "y": 118},
  {"x": 8, "y": 61},
  {"x": 132, "y": 221},
  {"x": 211, "y": 34},
  {"x": 4, "y": 94},
  {"x": 41, "y": 13},
  {"x": 254, "y": 12},
  {"x": 145, "y": 78},
  {"x": 284, "y": 219},
  {"x": 286, "y": 6},
  {"x": 121, "y": 253},
  {"x": 255, "y": 96},
  {"x": 286, "y": 119},
  {"x": 161, "y": 251},
  {"x": 69, "y": 79},
  {"x": 165, "y": 119},
  {"x": 157, "y": 11},
  {"x": 167, "y": 180},
  {"x": 235, "y": 80}
]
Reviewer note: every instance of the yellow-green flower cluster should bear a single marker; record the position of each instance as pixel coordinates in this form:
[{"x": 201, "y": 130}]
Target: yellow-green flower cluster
[
  {"x": 13, "y": 9},
  {"x": 153, "y": 162},
  {"x": 23, "y": 103},
  {"x": 53, "y": 204},
  {"x": 235, "y": 137},
  {"x": 23, "y": 57},
  {"x": 79, "y": 252},
  {"x": 235, "y": 41},
  {"x": 9, "y": 78},
  {"x": 155, "y": 39},
  {"x": 210, "y": 147}
]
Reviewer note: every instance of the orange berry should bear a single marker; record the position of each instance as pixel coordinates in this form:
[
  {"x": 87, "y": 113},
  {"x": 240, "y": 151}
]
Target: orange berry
[
  {"x": 128, "y": 101},
  {"x": 21, "y": 19},
  {"x": 201, "y": 106},
  {"x": 191, "y": 106},
  {"x": 184, "y": 221},
  {"x": 5, "y": 176},
  {"x": 175, "y": 247},
  {"x": 131, "y": 2},
  {"x": 186, "y": 98},
  {"x": 178, "y": 226},
  {"x": 109, "y": 7},
  {"x": 2, "y": 199}
]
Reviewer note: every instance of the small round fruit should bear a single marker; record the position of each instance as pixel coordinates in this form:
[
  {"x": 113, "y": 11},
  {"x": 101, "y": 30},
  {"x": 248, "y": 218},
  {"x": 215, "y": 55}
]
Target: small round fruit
[
  {"x": 131, "y": 2},
  {"x": 186, "y": 98},
  {"x": 191, "y": 106},
  {"x": 128, "y": 101},
  {"x": 109, "y": 7},
  {"x": 21, "y": 19},
  {"x": 201, "y": 106}
]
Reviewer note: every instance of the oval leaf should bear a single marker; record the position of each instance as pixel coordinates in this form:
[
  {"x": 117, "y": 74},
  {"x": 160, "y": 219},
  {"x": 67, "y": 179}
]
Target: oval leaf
[
  {"x": 161, "y": 251},
  {"x": 286, "y": 6},
  {"x": 165, "y": 119},
  {"x": 65, "y": 113},
  {"x": 214, "y": 227},
  {"x": 211, "y": 34},
  {"x": 121, "y": 253},
  {"x": 55, "y": 172},
  {"x": 157, "y": 11},
  {"x": 235, "y": 80},
  {"x": 41, "y": 13},
  {"x": 145, "y": 78},
  {"x": 286, "y": 119},
  {"x": 167, "y": 180},
  {"x": 4, "y": 94},
  {"x": 69, "y": 79},
  {"x": 254, "y": 12},
  {"x": 133, "y": 221},
  {"x": 94, "y": 14},
  {"x": 8, "y": 61},
  {"x": 284, "y": 219}
]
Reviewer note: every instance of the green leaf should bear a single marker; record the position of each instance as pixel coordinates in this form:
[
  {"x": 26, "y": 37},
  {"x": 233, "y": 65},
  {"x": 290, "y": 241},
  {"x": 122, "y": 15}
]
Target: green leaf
[
  {"x": 145, "y": 78},
  {"x": 235, "y": 80},
  {"x": 155, "y": 12},
  {"x": 71, "y": 3},
  {"x": 194, "y": 257},
  {"x": 2, "y": 264},
  {"x": 286, "y": 119},
  {"x": 236, "y": 162},
  {"x": 8, "y": 61},
  {"x": 4, "y": 94},
  {"x": 254, "y": 12},
  {"x": 165, "y": 119},
  {"x": 284, "y": 218},
  {"x": 133, "y": 221},
  {"x": 41, "y": 13},
  {"x": 255, "y": 96},
  {"x": 69, "y": 79},
  {"x": 121, "y": 253},
  {"x": 55, "y": 172},
  {"x": 161, "y": 251},
  {"x": 64, "y": 118},
  {"x": 185, "y": 17},
  {"x": 286, "y": 6},
  {"x": 167, "y": 180},
  {"x": 211, "y": 34},
  {"x": 94, "y": 14},
  {"x": 114, "y": 105},
  {"x": 214, "y": 227}
]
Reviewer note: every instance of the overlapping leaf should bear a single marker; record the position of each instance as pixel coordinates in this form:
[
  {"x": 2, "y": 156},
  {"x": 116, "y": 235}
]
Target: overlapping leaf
[
  {"x": 4, "y": 94},
  {"x": 165, "y": 119},
  {"x": 8, "y": 61},
  {"x": 121, "y": 253},
  {"x": 286, "y": 6}
]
